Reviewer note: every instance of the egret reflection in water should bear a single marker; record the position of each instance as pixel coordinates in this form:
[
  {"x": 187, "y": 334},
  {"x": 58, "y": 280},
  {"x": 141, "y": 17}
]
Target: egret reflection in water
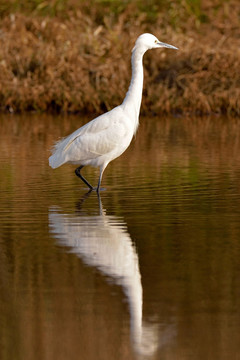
[{"x": 102, "y": 241}]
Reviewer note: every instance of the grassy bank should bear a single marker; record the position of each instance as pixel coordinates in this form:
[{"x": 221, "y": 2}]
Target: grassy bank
[{"x": 68, "y": 56}]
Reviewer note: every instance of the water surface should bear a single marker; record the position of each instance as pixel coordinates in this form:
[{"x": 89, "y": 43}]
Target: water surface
[{"x": 150, "y": 270}]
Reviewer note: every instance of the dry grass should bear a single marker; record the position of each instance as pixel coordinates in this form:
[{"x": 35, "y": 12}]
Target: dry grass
[{"x": 80, "y": 60}]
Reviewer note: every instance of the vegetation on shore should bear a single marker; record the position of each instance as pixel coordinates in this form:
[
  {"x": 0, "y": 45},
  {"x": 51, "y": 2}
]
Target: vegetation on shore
[{"x": 74, "y": 56}]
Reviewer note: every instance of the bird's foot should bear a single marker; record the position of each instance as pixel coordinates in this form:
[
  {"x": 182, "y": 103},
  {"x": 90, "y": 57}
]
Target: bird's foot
[{"x": 98, "y": 189}]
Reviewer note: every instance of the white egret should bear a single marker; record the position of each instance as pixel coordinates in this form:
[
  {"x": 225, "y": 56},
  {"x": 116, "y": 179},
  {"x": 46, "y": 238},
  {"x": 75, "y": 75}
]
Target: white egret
[{"x": 106, "y": 137}]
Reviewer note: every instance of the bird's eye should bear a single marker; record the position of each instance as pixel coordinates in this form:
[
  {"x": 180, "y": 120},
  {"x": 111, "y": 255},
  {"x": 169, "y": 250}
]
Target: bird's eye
[{"x": 155, "y": 41}]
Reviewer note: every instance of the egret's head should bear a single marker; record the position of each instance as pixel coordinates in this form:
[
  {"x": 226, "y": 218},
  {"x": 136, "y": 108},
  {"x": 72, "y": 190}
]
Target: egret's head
[{"x": 149, "y": 41}]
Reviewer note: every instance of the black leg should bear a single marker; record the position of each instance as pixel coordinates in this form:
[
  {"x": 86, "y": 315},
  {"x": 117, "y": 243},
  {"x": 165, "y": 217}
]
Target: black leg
[
  {"x": 99, "y": 181},
  {"x": 77, "y": 172}
]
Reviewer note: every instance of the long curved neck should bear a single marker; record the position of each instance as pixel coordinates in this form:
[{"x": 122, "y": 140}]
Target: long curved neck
[{"x": 133, "y": 98}]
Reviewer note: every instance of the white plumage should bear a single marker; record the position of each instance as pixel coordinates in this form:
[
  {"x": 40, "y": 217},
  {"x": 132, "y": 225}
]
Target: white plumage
[{"x": 109, "y": 135}]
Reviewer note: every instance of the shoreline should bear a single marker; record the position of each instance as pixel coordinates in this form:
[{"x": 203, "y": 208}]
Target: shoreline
[{"x": 75, "y": 65}]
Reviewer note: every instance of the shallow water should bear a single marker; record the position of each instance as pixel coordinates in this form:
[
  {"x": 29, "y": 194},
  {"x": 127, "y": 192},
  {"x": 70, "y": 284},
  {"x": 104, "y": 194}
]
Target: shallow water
[{"x": 151, "y": 270}]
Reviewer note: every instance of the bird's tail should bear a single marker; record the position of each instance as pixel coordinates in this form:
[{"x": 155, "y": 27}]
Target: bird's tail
[
  {"x": 55, "y": 161},
  {"x": 58, "y": 157}
]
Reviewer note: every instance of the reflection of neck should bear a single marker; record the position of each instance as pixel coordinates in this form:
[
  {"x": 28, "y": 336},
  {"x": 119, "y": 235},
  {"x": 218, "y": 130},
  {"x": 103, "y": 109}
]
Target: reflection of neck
[
  {"x": 134, "y": 294},
  {"x": 132, "y": 101}
]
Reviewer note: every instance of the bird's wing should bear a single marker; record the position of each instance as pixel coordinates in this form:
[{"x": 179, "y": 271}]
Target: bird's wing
[{"x": 100, "y": 136}]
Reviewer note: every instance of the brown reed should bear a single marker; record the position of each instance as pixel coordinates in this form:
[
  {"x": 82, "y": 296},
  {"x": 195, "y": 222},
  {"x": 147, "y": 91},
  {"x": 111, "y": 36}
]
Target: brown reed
[{"x": 81, "y": 61}]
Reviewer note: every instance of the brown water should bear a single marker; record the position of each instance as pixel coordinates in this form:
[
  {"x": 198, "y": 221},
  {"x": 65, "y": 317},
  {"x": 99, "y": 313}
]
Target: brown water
[{"x": 149, "y": 271}]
